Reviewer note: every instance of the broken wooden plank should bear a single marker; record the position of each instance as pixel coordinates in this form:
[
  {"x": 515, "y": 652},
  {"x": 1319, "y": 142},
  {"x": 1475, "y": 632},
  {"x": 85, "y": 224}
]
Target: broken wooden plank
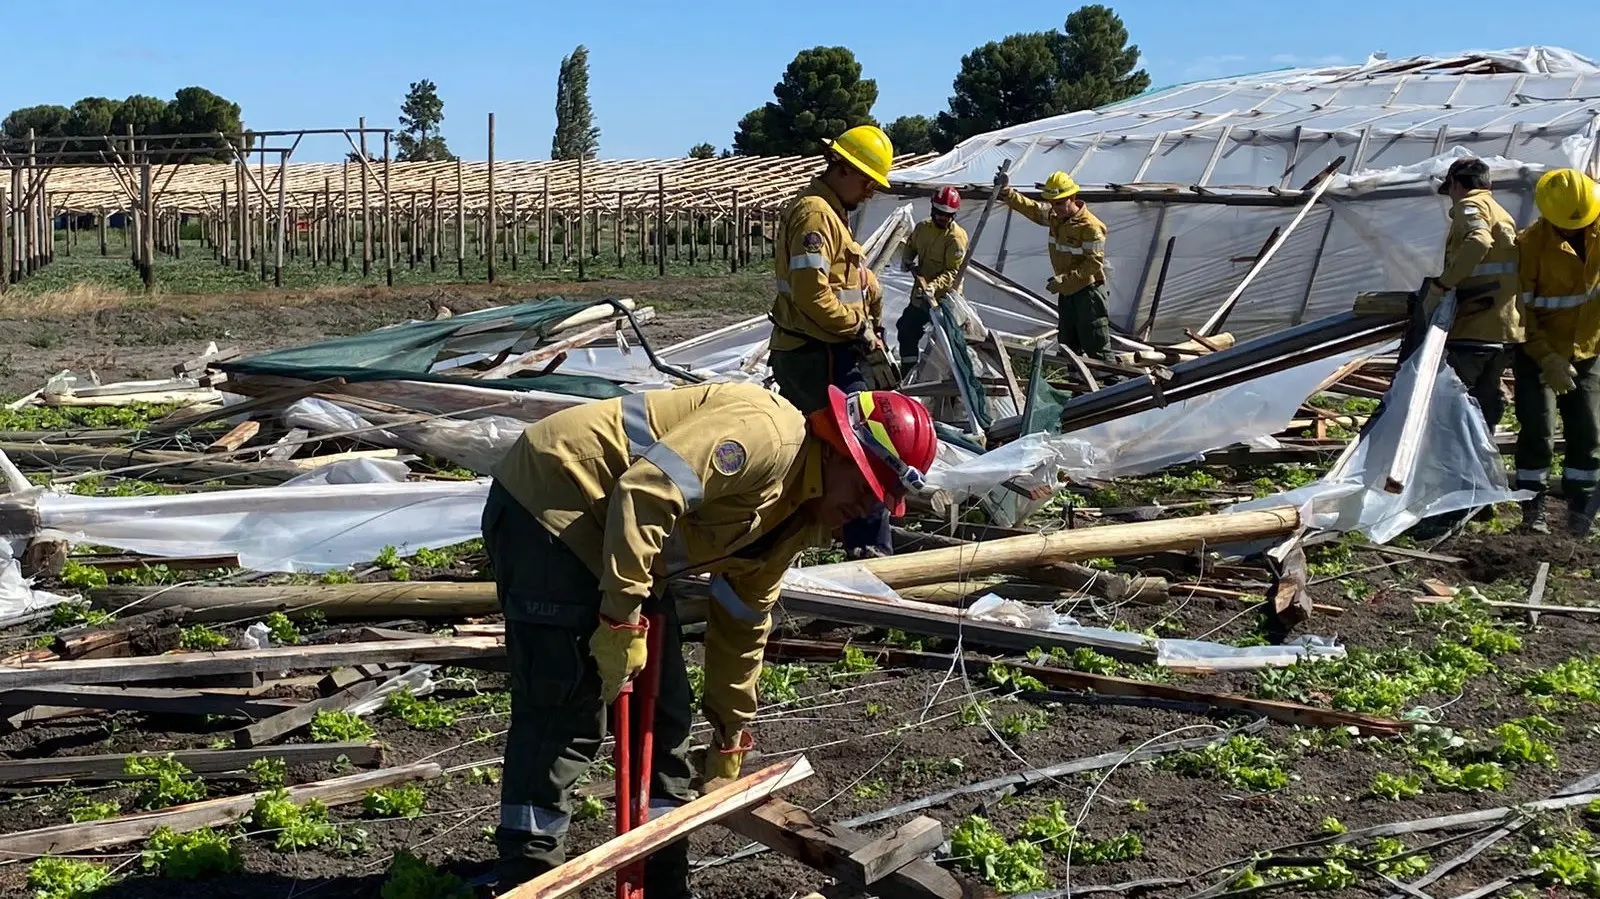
[
  {"x": 179, "y": 421},
  {"x": 335, "y": 602},
  {"x": 1408, "y": 553},
  {"x": 202, "y": 362},
  {"x": 1061, "y": 678},
  {"x": 893, "y": 851},
  {"x": 287, "y": 445},
  {"x": 83, "y": 643},
  {"x": 145, "y": 699},
  {"x": 616, "y": 854},
  {"x": 284, "y": 723},
  {"x": 792, "y": 831},
  {"x": 239, "y": 436},
  {"x": 90, "y": 835},
  {"x": 461, "y": 650},
  {"x": 110, "y": 562},
  {"x": 107, "y": 768}
]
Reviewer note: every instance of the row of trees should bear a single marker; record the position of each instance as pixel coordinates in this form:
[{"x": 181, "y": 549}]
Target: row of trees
[
  {"x": 1020, "y": 78},
  {"x": 192, "y": 110}
]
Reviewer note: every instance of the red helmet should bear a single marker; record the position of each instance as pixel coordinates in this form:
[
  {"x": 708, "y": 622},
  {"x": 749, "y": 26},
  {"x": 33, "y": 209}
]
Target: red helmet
[
  {"x": 946, "y": 199},
  {"x": 888, "y": 434}
]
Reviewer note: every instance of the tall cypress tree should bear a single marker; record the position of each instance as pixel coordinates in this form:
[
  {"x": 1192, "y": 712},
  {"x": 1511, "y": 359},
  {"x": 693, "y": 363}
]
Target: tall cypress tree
[{"x": 576, "y": 133}]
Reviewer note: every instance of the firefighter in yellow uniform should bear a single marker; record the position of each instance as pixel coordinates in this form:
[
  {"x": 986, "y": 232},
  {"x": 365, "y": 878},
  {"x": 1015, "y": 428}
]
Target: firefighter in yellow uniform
[
  {"x": 1556, "y": 369},
  {"x": 1077, "y": 245},
  {"x": 933, "y": 255},
  {"x": 595, "y": 507},
  {"x": 1480, "y": 265},
  {"x": 827, "y": 314}
]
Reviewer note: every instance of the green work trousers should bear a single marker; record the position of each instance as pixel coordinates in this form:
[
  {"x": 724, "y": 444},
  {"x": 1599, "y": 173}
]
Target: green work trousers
[
  {"x": 1480, "y": 368},
  {"x": 551, "y": 602},
  {"x": 1537, "y": 409},
  {"x": 1082, "y": 322}
]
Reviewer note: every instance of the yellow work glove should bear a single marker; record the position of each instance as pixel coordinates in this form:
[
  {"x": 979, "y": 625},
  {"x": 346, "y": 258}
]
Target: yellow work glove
[
  {"x": 1054, "y": 284},
  {"x": 1559, "y": 375},
  {"x": 620, "y": 650}
]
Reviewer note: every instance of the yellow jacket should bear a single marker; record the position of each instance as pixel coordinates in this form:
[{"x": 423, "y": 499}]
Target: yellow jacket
[
  {"x": 936, "y": 253},
  {"x": 818, "y": 274},
  {"x": 1077, "y": 242},
  {"x": 1560, "y": 292},
  {"x": 1480, "y": 254},
  {"x": 709, "y": 478}
]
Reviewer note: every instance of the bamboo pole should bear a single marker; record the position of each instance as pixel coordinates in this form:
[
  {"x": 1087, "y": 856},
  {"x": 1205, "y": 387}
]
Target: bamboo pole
[{"x": 1032, "y": 550}]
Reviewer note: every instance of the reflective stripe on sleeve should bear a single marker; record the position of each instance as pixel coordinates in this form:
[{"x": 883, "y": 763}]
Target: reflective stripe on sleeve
[
  {"x": 1495, "y": 268},
  {"x": 636, "y": 424},
  {"x": 678, "y": 471},
  {"x": 808, "y": 260},
  {"x": 1569, "y": 301}
]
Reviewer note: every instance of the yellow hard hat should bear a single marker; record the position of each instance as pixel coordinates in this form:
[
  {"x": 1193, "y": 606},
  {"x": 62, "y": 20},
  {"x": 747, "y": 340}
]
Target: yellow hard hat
[
  {"x": 1059, "y": 186},
  {"x": 868, "y": 149},
  {"x": 1567, "y": 199}
]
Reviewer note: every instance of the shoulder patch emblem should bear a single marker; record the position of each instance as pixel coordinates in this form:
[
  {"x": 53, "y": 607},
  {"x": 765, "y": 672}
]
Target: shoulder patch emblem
[
  {"x": 728, "y": 457},
  {"x": 813, "y": 243}
]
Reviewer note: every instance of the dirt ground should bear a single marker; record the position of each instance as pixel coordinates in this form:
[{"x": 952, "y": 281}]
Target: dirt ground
[
  {"x": 121, "y": 338},
  {"x": 876, "y": 737},
  {"x": 885, "y": 736}
]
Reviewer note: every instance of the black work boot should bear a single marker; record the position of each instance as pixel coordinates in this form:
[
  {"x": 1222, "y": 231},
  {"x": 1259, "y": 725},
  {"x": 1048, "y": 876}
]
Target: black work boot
[
  {"x": 666, "y": 873},
  {"x": 1536, "y": 514}
]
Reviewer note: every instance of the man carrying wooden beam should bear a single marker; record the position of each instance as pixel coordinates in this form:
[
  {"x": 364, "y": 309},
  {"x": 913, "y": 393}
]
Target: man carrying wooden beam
[
  {"x": 596, "y": 507},
  {"x": 827, "y": 316},
  {"x": 1077, "y": 246},
  {"x": 1556, "y": 368},
  {"x": 933, "y": 255}
]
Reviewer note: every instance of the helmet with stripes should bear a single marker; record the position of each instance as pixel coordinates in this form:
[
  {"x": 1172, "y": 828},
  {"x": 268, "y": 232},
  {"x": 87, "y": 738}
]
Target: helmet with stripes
[{"x": 888, "y": 434}]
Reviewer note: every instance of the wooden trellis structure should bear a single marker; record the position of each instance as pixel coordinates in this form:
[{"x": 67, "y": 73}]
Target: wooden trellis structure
[{"x": 262, "y": 208}]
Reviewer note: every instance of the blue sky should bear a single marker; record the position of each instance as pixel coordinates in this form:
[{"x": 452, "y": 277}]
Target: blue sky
[{"x": 665, "y": 76}]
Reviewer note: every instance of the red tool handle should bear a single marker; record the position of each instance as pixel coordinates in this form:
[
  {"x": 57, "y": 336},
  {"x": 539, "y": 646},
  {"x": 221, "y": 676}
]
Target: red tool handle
[{"x": 633, "y": 762}]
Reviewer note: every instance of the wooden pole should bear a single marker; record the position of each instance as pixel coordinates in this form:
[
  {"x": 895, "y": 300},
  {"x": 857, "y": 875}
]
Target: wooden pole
[
  {"x": 5, "y": 242},
  {"x": 461, "y": 225},
  {"x": 413, "y": 248},
  {"x": 544, "y": 225},
  {"x": 433, "y": 216},
  {"x": 344, "y": 233},
  {"x": 388, "y": 218},
  {"x": 366, "y": 208},
  {"x": 581, "y": 218},
  {"x": 489, "y": 218},
  {"x": 277, "y": 262},
  {"x": 661, "y": 224},
  {"x": 617, "y": 235},
  {"x": 1032, "y": 550},
  {"x": 147, "y": 272}
]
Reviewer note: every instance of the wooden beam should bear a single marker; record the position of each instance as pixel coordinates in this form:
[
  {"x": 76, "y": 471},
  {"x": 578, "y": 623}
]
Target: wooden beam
[
  {"x": 106, "y": 768},
  {"x": 235, "y": 438},
  {"x": 336, "y": 602},
  {"x": 285, "y": 723},
  {"x": 90, "y": 835},
  {"x": 461, "y": 650},
  {"x": 792, "y": 831},
  {"x": 652, "y": 835},
  {"x": 150, "y": 700},
  {"x": 995, "y": 556},
  {"x": 893, "y": 851}
]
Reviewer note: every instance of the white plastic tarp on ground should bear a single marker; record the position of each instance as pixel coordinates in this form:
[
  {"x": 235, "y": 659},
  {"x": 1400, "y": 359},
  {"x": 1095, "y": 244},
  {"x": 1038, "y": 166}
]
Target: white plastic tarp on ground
[{"x": 1457, "y": 467}]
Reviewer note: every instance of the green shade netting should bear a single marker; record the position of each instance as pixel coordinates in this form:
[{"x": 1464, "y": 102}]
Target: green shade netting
[{"x": 407, "y": 351}]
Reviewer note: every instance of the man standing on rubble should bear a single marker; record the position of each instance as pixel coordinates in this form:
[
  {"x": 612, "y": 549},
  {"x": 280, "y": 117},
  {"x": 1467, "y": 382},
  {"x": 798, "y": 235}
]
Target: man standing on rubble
[
  {"x": 827, "y": 316},
  {"x": 1077, "y": 246},
  {"x": 933, "y": 255},
  {"x": 1559, "y": 271},
  {"x": 596, "y": 507},
  {"x": 1480, "y": 265}
]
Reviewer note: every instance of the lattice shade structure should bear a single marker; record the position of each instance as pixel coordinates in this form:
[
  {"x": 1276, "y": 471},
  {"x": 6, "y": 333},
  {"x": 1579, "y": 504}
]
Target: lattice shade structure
[{"x": 702, "y": 185}]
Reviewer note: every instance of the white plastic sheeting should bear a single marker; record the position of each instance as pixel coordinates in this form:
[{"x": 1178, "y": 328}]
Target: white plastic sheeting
[
  {"x": 1149, "y": 441},
  {"x": 301, "y": 528},
  {"x": 1457, "y": 467},
  {"x": 1398, "y": 123}
]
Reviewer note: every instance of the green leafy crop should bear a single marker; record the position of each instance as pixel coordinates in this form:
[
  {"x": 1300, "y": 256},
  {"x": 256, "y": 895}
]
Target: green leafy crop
[
  {"x": 1009, "y": 867},
  {"x": 164, "y": 781},
  {"x": 194, "y": 855}
]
